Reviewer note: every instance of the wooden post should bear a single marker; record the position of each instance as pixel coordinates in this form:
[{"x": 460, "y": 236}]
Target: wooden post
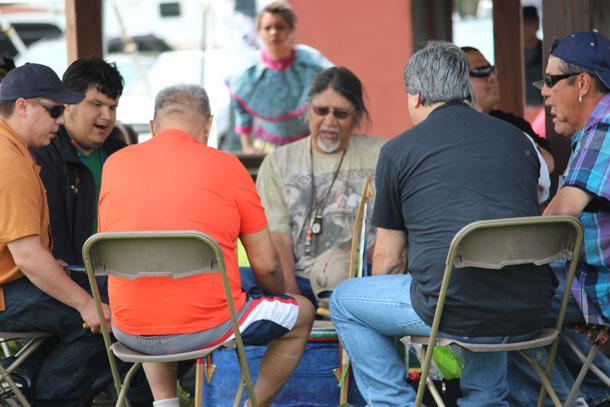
[
  {"x": 508, "y": 52},
  {"x": 84, "y": 29},
  {"x": 560, "y": 18}
]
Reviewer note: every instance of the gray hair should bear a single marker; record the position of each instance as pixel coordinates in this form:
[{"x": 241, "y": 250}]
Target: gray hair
[
  {"x": 188, "y": 101},
  {"x": 439, "y": 73}
]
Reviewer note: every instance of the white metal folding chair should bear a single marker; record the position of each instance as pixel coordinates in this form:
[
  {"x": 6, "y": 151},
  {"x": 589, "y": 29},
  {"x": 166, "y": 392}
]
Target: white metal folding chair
[
  {"x": 149, "y": 254},
  {"x": 494, "y": 244}
]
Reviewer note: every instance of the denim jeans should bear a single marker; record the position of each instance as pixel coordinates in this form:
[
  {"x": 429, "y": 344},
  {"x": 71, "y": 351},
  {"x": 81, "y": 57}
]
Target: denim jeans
[
  {"x": 67, "y": 364},
  {"x": 369, "y": 312},
  {"x": 523, "y": 382}
]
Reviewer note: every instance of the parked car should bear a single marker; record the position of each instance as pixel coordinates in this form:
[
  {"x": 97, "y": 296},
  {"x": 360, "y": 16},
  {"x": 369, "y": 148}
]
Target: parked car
[
  {"x": 53, "y": 52},
  {"x": 207, "y": 68}
]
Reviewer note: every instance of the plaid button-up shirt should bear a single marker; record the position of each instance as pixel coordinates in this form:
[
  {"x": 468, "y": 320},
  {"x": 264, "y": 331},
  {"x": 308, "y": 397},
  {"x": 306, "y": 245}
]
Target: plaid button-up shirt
[{"x": 589, "y": 170}]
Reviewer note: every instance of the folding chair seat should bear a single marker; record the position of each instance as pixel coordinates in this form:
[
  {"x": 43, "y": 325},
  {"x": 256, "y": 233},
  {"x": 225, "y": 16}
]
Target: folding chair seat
[
  {"x": 150, "y": 254},
  {"x": 494, "y": 244},
  {"x": 34, "y": 340}
]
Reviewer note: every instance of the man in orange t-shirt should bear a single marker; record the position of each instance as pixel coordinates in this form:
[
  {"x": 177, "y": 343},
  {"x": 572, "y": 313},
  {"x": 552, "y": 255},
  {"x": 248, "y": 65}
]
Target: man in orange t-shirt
[{"x": 176, "y": 182}]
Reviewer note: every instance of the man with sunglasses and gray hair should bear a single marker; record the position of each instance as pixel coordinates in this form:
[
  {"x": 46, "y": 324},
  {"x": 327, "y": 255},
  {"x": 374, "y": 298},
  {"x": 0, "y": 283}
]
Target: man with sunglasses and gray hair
[
  {"x": 36, "y": 294},
  {"x": 576, "y": 88}
]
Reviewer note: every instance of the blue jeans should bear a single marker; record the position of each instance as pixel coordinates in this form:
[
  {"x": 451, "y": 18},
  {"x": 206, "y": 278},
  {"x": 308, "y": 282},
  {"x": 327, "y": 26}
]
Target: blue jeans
[
  {"x": 69, "y": 363},
  {"x": 523, "y": 382},
  {"x": 369, "y": 312}
]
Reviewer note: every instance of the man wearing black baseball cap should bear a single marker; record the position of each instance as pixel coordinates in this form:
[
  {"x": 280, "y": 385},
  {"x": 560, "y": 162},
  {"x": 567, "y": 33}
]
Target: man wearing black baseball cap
[
  {"x": 576, "y": 88},
  {"x": 36, "y": 294}
]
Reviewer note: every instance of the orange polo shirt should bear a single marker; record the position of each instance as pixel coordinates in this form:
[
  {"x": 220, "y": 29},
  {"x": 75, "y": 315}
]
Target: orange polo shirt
[
  {"x": 23, "y": 200},
  {"x": 173, "y": 182}
]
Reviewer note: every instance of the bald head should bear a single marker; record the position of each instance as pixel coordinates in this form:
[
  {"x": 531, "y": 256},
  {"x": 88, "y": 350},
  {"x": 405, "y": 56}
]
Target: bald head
[{"x": 183, "y": 107}]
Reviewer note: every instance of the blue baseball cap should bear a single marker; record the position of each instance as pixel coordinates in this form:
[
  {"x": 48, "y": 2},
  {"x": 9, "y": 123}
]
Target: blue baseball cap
[
  {"x": 588, "y": 49},
  {"x": 34, "y": 81}
]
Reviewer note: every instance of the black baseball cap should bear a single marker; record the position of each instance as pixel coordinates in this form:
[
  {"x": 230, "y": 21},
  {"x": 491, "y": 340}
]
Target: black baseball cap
[
  {"x": 36, "y": 80},
  {"x": 588, "y": 49}
]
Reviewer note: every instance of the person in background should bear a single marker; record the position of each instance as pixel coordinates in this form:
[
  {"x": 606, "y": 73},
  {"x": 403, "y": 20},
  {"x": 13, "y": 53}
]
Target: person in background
[
  {"x": 487, "y": 91},
  {"x": 71, "y": 165},
  {"x": 6, "y": 64},
  {"x": 215, "y": 195},
  {"x": 36, "y": 294},
  {"x": 311, "y": 188},
  {"x": 532, "y": 55},
  {"x": 272, "y": 89}
]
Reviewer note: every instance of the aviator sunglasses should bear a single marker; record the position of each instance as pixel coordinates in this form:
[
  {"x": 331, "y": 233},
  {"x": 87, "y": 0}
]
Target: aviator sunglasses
[
  {"x": 54, "y": 110},
  {"x": 338, "y": 113},
  {"x": 482, "y": 71},
  {"x": 551, "y": 80}
]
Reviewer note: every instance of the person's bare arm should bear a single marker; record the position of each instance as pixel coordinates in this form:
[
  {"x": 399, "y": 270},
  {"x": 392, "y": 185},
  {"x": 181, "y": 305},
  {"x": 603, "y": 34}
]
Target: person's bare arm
[
  {"x": 264, "y": 261},
  {"x": 41, "y": 268},
  {"x": 390, "y": 252},
  {"x": 548, "y": 158},
  {"x": 568, "y": 201},
  {"x": 284, "y": 246},
  {"x": 246, "y": 143}
]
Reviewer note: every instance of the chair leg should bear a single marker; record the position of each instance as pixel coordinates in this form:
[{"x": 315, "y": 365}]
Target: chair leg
[
  {"x": 435, "y": 394},
  {"x": 546, "y": 384},
  {"x": 7, "y": 378},
  {"x": 122, "y": 396},
  {"x": 246, "y": 379},
  {"x": 199, "y": 383},
  {"x": 239, "y": 392},
  {"x": 594, "y": 369}
]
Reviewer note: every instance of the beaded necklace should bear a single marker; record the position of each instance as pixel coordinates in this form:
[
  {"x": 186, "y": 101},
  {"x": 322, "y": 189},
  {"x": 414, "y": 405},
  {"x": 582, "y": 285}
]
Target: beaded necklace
[{"x": 315, "y": 213}]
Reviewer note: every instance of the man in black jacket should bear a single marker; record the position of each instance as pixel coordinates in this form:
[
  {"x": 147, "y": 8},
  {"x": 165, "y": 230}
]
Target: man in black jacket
[{"x": 72, "y": 163}]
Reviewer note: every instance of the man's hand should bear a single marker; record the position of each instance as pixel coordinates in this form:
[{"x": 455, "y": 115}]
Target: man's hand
[
  {"x": 45, "y": 272},
  {"x": 91, "y": 318}
]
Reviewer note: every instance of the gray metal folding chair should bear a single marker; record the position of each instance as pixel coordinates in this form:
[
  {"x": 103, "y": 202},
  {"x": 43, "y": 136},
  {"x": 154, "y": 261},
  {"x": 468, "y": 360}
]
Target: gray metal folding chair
[
  {"x": 587, "y": 362},
  {"x": 150, "y": 254},
  {"x": 34, "y": 340},
  {"x": 494, "y": 244}
]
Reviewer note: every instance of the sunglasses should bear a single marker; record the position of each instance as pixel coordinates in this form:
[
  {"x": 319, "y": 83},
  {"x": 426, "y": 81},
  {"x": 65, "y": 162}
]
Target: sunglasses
[
  {"x": 54, "y": 110},
  {"x": 338, "y": 113},
  {"x": 482, "y": 71},
  {"x": 551, "y": 80}
]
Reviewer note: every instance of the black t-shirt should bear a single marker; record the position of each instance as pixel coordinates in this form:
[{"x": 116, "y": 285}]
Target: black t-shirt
[
  {"x": 456, "y": 167},
  {"x": 523, "y": 125}
]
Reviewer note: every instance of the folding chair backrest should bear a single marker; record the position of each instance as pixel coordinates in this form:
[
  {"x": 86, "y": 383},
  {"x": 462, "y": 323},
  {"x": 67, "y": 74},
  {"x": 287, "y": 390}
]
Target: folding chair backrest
[
  {"x": 496, "y": 243},
  {"x": 145, "y": 254}
]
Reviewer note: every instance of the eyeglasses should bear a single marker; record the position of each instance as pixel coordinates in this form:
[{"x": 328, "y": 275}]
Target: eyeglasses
[
  {"x": 482, "y": 71},
  {"x": 551, "y": 80},
  {"x": 54, "y": 110},
  {"x": 338, "y": 113}
]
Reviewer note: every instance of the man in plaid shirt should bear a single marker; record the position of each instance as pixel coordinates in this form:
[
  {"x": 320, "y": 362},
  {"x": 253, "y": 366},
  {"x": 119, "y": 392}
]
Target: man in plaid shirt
[{"x": 576, "y": 87}]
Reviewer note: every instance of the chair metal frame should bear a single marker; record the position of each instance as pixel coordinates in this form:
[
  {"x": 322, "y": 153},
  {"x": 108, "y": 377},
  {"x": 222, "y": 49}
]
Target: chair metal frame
[
  {"x": 538, "y": 240},
  {"x": 176, "y": 254},
  {"x": 35, "y": 339},
  {"x": 587, "y": 361}
]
